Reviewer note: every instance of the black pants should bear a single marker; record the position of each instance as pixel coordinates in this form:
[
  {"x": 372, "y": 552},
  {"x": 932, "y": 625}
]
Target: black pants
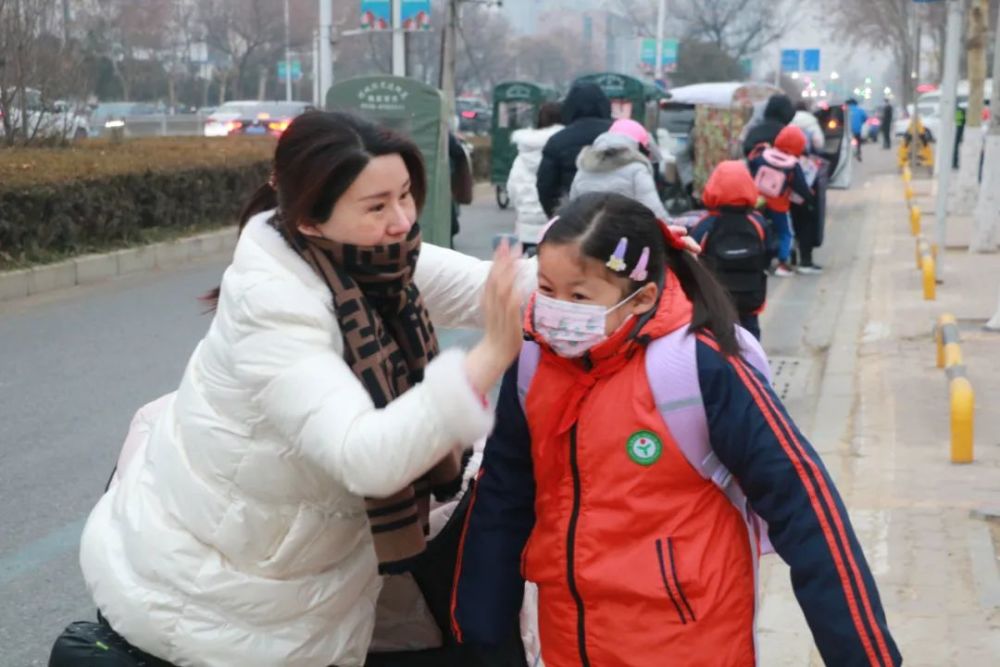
[
  {"x": 751, "y": 323},
  {"x": 887, "y": 135},
  {"x": 806, "y": 224}
]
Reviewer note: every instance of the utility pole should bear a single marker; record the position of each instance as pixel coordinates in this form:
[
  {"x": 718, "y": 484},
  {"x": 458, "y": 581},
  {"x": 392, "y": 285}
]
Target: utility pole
[
  {"x": 448, "y": 51},
  {"x": 315, "y": 69},
  {"x": 288, "y": 58},
  {"x": 915, "y": 78},
  {"x": 325, "y": 55},
  {"x": 984, "y": 237},
  {"x": 398, "y": 40},
  {"x": 65, "y": 13},
  {"x": 949, "y": 86},
  {"x": 661, "y": 15}
]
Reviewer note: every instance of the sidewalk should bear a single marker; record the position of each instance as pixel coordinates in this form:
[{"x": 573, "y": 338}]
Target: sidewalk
[{"x": 915, "y": 512}]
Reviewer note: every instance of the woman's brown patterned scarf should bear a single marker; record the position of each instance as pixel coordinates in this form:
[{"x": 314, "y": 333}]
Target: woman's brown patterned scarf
[{"x": 388, "y": 342}]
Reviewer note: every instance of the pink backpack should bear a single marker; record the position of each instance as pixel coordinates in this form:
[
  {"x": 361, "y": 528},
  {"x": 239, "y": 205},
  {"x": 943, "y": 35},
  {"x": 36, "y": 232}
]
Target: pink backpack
[
  {"x": 772, "y": 177},
  {"x": 672, "y": 368}
]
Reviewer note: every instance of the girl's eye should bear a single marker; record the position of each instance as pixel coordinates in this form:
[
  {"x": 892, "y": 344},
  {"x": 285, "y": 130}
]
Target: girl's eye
[
  {"x": 545, "y": 289},
  {"x": 377, "y": 208},
  {"x": 406, "y": 195},
  {"x": 580, "y": 297}
]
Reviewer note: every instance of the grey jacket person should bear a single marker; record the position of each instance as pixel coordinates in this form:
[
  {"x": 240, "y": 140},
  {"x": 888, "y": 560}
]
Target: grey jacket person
[{"x": 615, "y": 164}]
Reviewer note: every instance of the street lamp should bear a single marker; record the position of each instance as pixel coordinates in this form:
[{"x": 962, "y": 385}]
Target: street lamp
[{"x": 834, "y": 76}]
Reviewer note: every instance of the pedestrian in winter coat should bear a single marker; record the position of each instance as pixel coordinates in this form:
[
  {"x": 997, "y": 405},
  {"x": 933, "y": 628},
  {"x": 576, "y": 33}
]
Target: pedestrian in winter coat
[
  {"x": 586, "y": 111},
  {"x": 736, "y": 240},
  {"x": 783, "y": 161},
  {"x": 619, "y": 162},
  {"x": 291, "y": 467},
  {"x": 778, "y": 113},
  {"x": 806, "y": 121},
  {"x": 522, "y": 184},
  {"x": 639, "y": 448}
]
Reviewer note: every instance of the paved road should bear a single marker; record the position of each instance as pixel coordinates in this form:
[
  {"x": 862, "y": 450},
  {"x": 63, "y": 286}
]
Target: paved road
[{"x": 75, "y": 366}]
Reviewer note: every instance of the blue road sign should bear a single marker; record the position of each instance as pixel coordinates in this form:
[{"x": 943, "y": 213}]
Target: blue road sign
[
  {"x": 791, "y": 60},
  {"x": 810, "y": 60}
]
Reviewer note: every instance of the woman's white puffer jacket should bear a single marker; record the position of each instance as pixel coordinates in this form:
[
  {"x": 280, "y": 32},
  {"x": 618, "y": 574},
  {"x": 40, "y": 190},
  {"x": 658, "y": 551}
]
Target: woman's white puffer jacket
[{"x": 238, "y": 535}]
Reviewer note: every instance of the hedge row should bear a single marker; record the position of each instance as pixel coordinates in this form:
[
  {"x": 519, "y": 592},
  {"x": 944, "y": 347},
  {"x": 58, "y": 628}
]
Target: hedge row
[{"x": 144, "y": 192}]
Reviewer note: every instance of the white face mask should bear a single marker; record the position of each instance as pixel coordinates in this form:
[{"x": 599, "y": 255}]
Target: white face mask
[{"x": 572, "y": 329}]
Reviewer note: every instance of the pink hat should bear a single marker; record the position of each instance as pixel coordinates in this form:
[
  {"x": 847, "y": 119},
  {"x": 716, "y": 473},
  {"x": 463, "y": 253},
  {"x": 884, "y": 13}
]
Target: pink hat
[{"x": 631, "y": 129}]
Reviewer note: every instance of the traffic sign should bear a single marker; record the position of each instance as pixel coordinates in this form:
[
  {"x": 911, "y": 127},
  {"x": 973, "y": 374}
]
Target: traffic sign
[
  {"x": 670, "y": 49},
  {"x": 791, "y": 60},
  {"x": 296, "y": 70},
  {"x": 810, "y": 60}
]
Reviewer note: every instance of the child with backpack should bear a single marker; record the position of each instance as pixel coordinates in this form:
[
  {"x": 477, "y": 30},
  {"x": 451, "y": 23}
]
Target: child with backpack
[
  {"x": 779, "y": 176},
  {"x": 736, "y": 240},
  {"x": 638, "y": 451}
]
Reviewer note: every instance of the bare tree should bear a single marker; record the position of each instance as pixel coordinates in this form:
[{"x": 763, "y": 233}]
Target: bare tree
[
  {"x": 241, "y": 30},
  {"x": 882, "y": 24},
  {"x": 484, "y": 56},
  {"x": 738, "y": 27},
  {"x": 36, "y": 69},
  {"x": 699, "y": 62}
]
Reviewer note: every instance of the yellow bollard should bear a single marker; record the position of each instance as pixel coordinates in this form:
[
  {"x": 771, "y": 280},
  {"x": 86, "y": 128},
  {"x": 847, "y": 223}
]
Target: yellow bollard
[
  {"x": 952, "y": 355},
  {"x": 909, "y": 193},
  {"x": 907, "y": 174},
  {"x": 939, "y": 337},
  {"x": 915, "y": 215},
  {"x": 963, "y": 409},
  {"x": 930, "y": 280}
]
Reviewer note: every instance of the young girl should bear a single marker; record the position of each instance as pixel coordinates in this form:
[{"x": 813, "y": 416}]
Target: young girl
[{"x": 589, "y": 487}]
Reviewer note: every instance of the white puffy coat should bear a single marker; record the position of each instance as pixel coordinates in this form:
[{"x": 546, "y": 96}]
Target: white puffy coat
[
  {"x": 238, "y": 534},
  {"x": 523, "y": 179},
  {"x": 614, "y": 164}
]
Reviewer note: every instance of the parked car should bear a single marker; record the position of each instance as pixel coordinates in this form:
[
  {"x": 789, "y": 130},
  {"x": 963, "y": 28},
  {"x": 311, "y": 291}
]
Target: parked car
[
  {"x": 111, "y": 115},
  {"x": 253, "y": 118},
  {"x": 59, "y": 118},
  {"x": 474, "y": 115}
]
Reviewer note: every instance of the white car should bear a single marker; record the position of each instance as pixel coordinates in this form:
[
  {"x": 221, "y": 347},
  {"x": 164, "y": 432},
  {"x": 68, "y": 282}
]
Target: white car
[{"x": 47, "y": 119}]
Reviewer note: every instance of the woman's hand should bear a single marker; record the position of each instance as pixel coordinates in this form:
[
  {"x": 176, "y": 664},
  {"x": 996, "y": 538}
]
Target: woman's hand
[
  {"x": 682, "y": 232},
  {"x": 487, "y": 361}
]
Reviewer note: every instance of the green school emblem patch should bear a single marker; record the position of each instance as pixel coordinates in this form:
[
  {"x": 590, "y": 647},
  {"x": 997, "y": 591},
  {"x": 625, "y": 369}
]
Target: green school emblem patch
[{"x": 644, "y": 448}]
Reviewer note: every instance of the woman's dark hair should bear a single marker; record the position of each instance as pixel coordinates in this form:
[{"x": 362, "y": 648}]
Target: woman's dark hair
[
  {"x": 598, "y": 221},
  {"x": 317, "y": 159},
  {"x": 549, "y": 114}
]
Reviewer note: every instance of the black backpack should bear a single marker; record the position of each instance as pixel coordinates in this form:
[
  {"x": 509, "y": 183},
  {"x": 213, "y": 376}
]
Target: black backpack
[{"x": 736, "y": 249}]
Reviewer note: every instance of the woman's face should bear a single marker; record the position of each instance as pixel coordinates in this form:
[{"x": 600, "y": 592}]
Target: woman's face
[{"x": 378, "y": 208}]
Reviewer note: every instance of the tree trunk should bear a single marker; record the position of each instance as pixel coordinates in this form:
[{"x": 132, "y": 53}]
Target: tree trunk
[
  {"x": 965, "y": 188},
  {"x": 994, "y": 323},
  {"x": 262, "y": 84}
]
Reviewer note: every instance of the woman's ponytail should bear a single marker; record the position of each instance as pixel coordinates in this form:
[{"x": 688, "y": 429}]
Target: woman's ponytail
[{"x": 263, "y": 199}]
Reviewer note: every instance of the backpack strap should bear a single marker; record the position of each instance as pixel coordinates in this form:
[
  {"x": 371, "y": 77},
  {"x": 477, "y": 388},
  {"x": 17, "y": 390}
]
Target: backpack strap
[
  {"x": 527, "y": 364},
  {"x": 672, "y": 369}
]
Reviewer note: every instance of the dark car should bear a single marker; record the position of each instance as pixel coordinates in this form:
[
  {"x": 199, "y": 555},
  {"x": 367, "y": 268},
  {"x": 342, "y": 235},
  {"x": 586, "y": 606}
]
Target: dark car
[
  {"x": 474, "y": 116},
  {"x": 253, "y": 118},
  {"x": 111, "y": 115}
]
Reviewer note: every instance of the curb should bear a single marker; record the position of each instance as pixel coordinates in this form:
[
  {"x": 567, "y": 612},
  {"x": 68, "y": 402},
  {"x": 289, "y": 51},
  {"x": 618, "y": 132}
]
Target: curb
[{"x": 93, "y": 269}]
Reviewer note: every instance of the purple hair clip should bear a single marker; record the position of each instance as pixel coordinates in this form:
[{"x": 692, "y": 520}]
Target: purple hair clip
[
  {"x": 617, "y": 261},
  {"x": 640, "y": 272}
]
